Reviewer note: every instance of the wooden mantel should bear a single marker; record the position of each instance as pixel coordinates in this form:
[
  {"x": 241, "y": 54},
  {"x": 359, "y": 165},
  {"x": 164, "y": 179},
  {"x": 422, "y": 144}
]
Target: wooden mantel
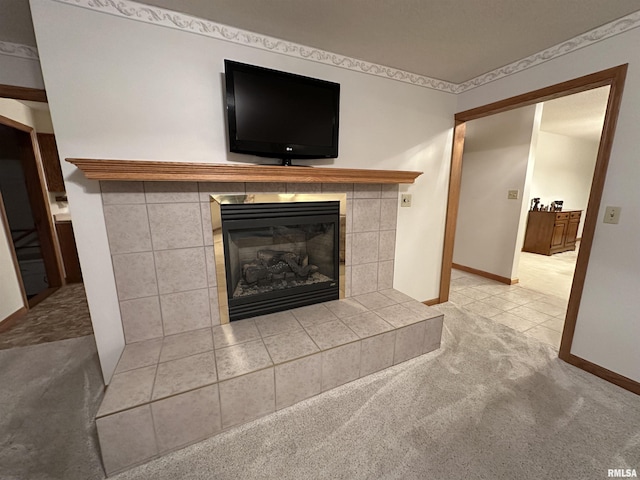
[{"x": 144, "y": 170}]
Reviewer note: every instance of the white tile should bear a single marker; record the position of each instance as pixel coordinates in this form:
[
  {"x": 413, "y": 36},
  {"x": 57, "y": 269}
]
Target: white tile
[
  {"x": 298, "y": 380},
  {"x": 530, "y": 314},
  {"x": 513, "y": 321},
  {"x": 546, "y": 335},
  {"x": 247, "y": 397},
  {"x": 135, "y": 275},
  {"x": 126, "y": 438},
  {"x": 141, "y": 319},
  {"x": 181, "y": 270},
  {"x": 175, "y": 225},
  {"x": 185, "y": 311},
  {"x": 122, "y": 193},
  {"x": 186, "y": 418},
  {"x": 127, "y": 228},
  {"x": 556, "y": 324},
  {"x": 482, "y": 309},
  {"x": 171, "y": 192}
]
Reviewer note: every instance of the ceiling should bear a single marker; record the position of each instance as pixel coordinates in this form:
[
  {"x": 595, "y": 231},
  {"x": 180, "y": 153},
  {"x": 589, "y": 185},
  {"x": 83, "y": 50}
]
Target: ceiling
[
  {"x": 580, "y": 115},
  {"x": 15, "y": 22},
  {"x": 452, "y": 40}
]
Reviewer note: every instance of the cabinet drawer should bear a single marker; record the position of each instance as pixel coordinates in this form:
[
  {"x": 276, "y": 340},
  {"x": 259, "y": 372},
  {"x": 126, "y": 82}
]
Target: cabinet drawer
[
  {"x": 575, "y": 214},
  {"x": 562, "y": 216}
]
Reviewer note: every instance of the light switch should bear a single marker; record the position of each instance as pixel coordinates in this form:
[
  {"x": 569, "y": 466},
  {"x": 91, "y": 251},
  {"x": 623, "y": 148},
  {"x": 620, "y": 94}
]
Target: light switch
[
  {"x": 513, "y": 194},
  {"x": 612, "y": 215},
  {"x": 405, "y": 200}
]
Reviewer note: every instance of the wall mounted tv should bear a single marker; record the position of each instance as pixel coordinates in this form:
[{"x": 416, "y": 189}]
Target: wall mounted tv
[{"x": 281, "y": 115}]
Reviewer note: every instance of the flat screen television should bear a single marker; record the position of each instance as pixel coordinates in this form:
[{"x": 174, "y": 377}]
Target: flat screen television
[{"x": 281, "y": 115}]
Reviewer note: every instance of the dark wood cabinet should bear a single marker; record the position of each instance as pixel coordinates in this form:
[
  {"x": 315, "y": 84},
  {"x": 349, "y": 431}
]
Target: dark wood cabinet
[
  {"x": 69, "y": 253},
  {"x": 51, "y": 162},
  {"x": 551, "y": 232}
]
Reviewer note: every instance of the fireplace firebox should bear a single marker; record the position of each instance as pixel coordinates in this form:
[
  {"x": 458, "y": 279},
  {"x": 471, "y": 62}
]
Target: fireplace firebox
[{"x": 277, "y": 252}]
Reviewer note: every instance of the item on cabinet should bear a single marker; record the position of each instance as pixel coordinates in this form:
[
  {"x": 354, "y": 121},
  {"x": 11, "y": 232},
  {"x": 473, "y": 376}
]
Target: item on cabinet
[
  {"x": 556, "y": 205},
  {"x": 551, "y": 232},
  {"x": 534, "y": 203}
]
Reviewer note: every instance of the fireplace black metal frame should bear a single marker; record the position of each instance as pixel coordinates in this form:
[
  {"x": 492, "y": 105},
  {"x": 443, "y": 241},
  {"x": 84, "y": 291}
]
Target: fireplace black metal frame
[{"x": 237, "y": 212}]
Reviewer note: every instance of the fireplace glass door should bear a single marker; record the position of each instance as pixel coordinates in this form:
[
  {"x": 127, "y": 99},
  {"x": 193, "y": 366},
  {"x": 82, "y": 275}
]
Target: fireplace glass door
[{"x": 280, "y": 255}]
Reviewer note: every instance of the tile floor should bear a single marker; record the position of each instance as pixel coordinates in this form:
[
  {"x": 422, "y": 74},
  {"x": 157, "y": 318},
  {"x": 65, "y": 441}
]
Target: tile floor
[{"x": 536, "y": 306}]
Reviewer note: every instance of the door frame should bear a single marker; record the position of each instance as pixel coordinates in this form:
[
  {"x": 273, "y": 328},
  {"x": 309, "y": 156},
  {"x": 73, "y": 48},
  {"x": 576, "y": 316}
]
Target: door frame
[
  {"x": 612, "y": 77},
  {"x": 36, "y": 188}
]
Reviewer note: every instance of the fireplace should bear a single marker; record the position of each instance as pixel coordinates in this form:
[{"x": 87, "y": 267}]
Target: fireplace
[
  {"x": 276, "y": 252},
  {"x": 193, "y": 375}
]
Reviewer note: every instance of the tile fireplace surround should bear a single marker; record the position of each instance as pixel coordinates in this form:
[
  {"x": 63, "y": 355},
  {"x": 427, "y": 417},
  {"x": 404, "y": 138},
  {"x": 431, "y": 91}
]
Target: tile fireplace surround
[{"x": 183, "y": 377}]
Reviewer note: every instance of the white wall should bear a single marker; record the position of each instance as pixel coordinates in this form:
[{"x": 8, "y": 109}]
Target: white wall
[
  {"x": 17, "y": 111},
  {"x": 564, "y": 171},
  {"x": 42, "y": 121},
  {"x": 607, "y": 328},
  {"x": 10, "y": 294},
  {"x": 495, "y": 160},
  {"x": 156, "y": 93},
  {"x": 21, "y": 72}
]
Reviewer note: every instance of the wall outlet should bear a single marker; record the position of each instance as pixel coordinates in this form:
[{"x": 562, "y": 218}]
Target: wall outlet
[
  {"x": 513, "y": 194},
  {"x": 405, "y": 200},
  {"x": 611, "y": 215}
]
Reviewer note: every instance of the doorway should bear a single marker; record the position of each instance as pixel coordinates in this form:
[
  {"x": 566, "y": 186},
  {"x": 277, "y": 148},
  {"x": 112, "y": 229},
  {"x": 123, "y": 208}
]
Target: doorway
[
  {"x": 545, "y": 152},
  {"x": 614, "y": 78},
  {"x": 27, "y": 213},
  {"x": 20, "y": 218}
]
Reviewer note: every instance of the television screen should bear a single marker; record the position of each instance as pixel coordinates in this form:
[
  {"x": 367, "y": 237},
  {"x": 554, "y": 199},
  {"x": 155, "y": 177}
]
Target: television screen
[{"x": 281, "y": 115}]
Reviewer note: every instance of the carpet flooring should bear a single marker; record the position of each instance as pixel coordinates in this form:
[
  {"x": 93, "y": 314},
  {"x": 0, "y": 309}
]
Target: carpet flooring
[
  {"x": 49, "y": 396},
  {"x": 63, "y": 315},
  {"x": 490, "y": 404}
]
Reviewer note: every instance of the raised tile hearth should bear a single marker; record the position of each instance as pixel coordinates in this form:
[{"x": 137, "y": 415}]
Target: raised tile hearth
[
  {"x": 185, "y": 374},
  {"x": 180, "y": 389}
]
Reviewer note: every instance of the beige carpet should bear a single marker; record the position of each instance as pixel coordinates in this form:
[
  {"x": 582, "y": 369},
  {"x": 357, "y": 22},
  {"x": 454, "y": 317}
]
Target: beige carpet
[{"x": 491, "y": 404}]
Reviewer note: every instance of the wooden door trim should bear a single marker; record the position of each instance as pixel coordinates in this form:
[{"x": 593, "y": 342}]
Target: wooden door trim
[
  {"x": 455, "y": 179},
  {"x": 23, "y": 93},
  {"x": 614, "y": 78},
  {"x": 9, "y": 122}
]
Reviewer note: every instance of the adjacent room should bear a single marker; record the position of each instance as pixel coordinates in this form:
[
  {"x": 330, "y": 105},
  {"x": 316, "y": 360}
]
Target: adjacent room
[{"x": 512, "y": 162}]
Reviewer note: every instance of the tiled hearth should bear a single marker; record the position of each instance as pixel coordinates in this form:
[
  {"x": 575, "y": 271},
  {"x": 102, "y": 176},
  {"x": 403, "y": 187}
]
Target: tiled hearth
[
  {"x": 184, "y": 377},
  {"x": 170, "y": 392}
]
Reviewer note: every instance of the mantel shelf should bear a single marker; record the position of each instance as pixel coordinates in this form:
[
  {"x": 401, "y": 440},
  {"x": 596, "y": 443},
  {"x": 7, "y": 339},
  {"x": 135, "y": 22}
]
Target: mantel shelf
[{"x": 144, "y": 170}]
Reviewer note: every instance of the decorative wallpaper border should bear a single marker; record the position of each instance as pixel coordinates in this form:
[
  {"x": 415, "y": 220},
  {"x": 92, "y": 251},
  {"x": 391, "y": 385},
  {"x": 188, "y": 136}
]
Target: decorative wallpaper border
[
  {"x": 18, "y": 50},
  {"x": 608, "y": 30},
  {"x": 180, "y": 21}
]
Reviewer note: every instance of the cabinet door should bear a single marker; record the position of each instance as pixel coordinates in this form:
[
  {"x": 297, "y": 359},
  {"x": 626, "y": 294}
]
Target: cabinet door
[
  {"x": 51, "y": 162},
  {"x": 559, "y": 229},
  {"x": 572, "y": 233},
  {"x": 69, "y": 252}
]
